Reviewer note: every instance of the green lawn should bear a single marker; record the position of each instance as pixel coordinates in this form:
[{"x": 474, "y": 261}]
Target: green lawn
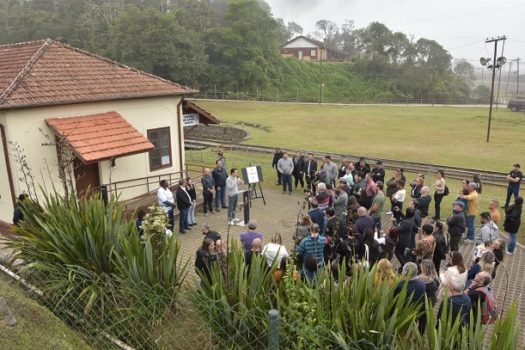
[
  {"x": 453, "y": 136},
  {"x": 37, "y": 327},
  {"x": 239, "y": 159}
]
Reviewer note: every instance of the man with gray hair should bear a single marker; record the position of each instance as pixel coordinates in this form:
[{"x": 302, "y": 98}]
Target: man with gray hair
[
  {"x": 248, "y": 236},
  {"x": 458, "y": 304},
  {"x": 213, "y": 235},
  {"x": 285, "y": 168},
  {"x": 479, "y": 291}
]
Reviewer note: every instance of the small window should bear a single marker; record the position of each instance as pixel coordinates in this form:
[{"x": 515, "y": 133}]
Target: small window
[
  {"x": 313, "y": 53},
  {"x": 160, "y": 156}
]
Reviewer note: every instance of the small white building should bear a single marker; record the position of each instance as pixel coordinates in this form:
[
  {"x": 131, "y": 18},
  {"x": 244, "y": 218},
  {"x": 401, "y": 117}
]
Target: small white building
[{"x": 123, "y": 125}]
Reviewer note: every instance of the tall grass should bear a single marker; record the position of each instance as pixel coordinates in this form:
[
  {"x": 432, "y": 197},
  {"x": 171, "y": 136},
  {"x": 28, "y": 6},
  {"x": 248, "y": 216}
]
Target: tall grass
[{"x": 330, "y": 313}]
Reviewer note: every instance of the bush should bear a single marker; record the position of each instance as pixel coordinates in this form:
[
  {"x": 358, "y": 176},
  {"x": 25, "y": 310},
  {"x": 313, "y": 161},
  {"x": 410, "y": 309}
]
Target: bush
[
  {"x": 94, "y": 269},
  {"x": 327, "y": 314}
]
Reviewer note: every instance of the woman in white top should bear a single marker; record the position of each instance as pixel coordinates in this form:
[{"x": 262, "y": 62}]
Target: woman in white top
[
  {"x": 439, "y": 186},
  {"x": 399, "y": 197},
  {"x": 456, "y": 266},
  {"x": 275, "y": 250}
]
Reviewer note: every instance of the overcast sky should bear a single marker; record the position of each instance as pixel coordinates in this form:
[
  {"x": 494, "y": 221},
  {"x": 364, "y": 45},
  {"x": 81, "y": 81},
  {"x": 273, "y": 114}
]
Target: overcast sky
[{"x": 460, "y": 26}]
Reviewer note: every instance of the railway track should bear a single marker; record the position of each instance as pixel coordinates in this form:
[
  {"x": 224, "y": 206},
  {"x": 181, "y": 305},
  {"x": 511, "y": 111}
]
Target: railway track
[{"x": 488, "y": 177}]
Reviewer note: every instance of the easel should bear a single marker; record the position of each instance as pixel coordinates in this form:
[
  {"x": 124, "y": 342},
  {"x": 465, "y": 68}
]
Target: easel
[{"x": 252, "y": 175}]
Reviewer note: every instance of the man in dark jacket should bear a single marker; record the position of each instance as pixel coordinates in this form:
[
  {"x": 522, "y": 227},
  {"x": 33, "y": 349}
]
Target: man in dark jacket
[
  {"x": 219, "y": 176},
  {"x": 276, "y": 156},
  {"x": 456, "y": 225},
  {"x": 310, "y": 168},
  {"x": 378, "y": 173},
  {"x": 184, "y": 204},
  {"x": 208, "y": 188},
  {"x": 317, "y": 216},
  {"x": 18, "y": 215},
  {"x": 415, "y": 290}
]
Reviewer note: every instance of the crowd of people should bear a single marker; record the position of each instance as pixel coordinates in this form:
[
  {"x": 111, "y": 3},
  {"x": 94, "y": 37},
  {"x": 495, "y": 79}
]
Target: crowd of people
[{"x": 343, "y": 226}]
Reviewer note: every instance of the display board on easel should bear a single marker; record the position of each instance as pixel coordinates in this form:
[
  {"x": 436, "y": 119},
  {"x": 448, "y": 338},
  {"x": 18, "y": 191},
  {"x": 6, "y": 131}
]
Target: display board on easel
[{"x": 253, "y": 176}]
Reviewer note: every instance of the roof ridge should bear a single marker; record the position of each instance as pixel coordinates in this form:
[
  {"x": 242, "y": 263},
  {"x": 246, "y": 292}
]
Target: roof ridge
[
  {"x": 119, "y": 64},
  {"x": 20, "y": 76},
  {"x": 24, "y": 43}
]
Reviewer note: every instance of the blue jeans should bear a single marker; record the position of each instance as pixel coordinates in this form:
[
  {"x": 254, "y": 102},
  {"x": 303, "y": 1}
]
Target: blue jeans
[
  {"x": 220, "y": 197},
  {"x": 232, "y": 205},
  {"x": 470, "y": 226},
  {"x": 512, "y": 190},
  {"x": 287, "y": 181},
  {"x": 512, "y": 243},
  {"x": 183, "y": 220}
]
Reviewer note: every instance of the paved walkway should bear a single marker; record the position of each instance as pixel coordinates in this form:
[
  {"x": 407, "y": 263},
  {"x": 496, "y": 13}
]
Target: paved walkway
[{"x": 280, "y": 214}]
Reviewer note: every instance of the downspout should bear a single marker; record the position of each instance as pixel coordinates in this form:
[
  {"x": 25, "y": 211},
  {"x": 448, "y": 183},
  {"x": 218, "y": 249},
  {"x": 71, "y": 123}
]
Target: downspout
[
  {"x": 179, "y": 130},
  {"x": 8, "y": 166}
]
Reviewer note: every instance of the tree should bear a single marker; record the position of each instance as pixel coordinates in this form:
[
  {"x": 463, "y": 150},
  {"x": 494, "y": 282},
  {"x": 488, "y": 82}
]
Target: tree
[
  {"x": 155, "y": 42},
  {"x": 465, "y": 71},
  {"x": 327, "y": 31}
]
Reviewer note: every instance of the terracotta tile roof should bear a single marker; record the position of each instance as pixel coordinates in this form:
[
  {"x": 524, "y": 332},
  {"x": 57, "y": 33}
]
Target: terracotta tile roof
[
  {"x": 100, "y": 136},
  {"x": 49, "y": 73}
]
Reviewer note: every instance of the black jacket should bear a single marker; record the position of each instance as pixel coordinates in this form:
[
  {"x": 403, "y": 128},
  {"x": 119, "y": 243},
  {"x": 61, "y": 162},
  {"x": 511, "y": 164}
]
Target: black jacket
[
  {"x": 298, "y": 166},
  {"x": 456, "y": 224},
  {"x": 313, "y": 166},
  {"x": 219, "y": 177},
  {"x": 183, "y": 200},
  {"x": 512, "y": 219}
]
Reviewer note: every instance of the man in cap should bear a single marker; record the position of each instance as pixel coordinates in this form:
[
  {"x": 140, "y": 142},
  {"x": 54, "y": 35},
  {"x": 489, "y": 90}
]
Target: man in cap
[
  {"x": 378, "y": 173},
  {"x": 456, "y": 225},
  {"x": 514, "y": 179}
]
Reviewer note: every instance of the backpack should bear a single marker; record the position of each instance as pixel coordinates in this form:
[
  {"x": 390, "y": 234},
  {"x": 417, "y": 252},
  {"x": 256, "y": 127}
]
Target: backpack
[
  {"x": 489, "y": 309},
  {"x": 446, "y": 192}
]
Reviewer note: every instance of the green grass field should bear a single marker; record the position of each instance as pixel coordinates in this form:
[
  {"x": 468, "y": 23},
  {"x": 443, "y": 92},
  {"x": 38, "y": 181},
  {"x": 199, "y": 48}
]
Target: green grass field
[
  {"x": 453, "y": 136},
  {"x": 240, "y": 159}
]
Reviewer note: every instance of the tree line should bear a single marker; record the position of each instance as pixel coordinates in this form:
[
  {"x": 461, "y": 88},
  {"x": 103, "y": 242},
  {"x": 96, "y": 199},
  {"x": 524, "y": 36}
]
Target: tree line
[{"x": 233, "y": 47}]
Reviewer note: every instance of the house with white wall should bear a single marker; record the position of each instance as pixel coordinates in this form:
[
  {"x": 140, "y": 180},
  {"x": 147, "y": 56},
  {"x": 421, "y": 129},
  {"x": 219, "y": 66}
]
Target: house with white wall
[{"x": 121, "y": 124}]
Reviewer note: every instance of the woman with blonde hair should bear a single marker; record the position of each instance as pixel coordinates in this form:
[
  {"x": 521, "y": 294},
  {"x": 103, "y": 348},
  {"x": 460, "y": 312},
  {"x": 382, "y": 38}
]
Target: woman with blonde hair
[
  {"x": 384, "y": 273},
  {"x": 429, "y": 276}
]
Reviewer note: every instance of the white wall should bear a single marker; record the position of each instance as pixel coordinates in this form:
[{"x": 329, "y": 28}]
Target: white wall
[
  {"x": 22, "y": 126},
  {"x": 6, "y": 202}
]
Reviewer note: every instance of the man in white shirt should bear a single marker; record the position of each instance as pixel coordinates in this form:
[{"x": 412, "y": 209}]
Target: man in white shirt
[
  {"x": 166, "y": 200},
  {"x": 232, "y": 192}
]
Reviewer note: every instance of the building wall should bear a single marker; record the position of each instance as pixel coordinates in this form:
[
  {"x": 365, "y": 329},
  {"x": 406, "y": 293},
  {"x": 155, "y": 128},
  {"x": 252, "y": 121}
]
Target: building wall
[
  {"x": 27, "y": 127},
  {"x": 308, "y": 54},
  {"x": 6, "y": 202}
]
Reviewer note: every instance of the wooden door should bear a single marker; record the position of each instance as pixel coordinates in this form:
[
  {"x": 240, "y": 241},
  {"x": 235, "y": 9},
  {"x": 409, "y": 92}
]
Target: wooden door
[{"x": 86, "y": 176}]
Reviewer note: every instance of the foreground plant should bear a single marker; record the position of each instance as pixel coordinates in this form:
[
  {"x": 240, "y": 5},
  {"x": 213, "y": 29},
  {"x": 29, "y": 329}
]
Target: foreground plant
[
  {"x": 329, "y": 313},
  {"x": 89, "y": 260}
]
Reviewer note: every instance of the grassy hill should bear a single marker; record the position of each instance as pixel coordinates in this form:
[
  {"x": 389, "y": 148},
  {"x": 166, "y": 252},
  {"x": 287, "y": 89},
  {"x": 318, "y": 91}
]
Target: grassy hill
[{"x": 37, "y": 327}]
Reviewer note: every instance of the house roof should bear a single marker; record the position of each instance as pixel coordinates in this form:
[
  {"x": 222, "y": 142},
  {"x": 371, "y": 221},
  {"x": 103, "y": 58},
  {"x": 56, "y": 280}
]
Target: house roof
[
  {"x": 313, "y": 41},
  {"x": 47, "y": 72},
  {"x": 206, "y": 117},
  {"x": 98, "y": 137}
]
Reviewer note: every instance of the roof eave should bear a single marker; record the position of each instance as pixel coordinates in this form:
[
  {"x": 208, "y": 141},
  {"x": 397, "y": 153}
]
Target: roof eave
[
  {"x": 102, "y": 99},
  {"x": 84, "y": 161}
]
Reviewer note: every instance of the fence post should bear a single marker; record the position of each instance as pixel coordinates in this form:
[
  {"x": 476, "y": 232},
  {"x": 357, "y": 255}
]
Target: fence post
[
  {"x": 273, "y": 334},
  {"x": 104, "y": 192}
]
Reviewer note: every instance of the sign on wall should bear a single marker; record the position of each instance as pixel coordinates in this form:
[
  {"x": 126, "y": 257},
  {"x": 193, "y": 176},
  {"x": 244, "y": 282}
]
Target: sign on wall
[{"x": 190, "y": 119}]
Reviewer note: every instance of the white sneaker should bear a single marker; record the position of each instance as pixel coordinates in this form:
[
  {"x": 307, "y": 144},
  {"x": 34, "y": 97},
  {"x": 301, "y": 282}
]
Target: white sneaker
[
  {"x": 508, "y": 253},
  {"x": 241, "y": 224},
  {"x": 236, "y": 220},
  {"x": 389, "y": 213},
  {"x": 231, "y": 222}
]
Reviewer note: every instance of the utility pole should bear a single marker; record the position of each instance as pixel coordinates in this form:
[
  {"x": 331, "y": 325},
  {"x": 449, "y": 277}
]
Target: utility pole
[
  {"x": 508, "y": 80},
  {"x": 518, "y": 78},
  {"x": 194, "y": 73},
  {"x": 482, "y": 76},
  {"x": 321, "y": 83},
  {"x": 495, "y": 41}
]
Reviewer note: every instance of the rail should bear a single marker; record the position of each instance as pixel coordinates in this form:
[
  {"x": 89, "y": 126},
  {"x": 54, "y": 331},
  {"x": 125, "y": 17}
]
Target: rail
[{"x": 489, "y": 177}]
